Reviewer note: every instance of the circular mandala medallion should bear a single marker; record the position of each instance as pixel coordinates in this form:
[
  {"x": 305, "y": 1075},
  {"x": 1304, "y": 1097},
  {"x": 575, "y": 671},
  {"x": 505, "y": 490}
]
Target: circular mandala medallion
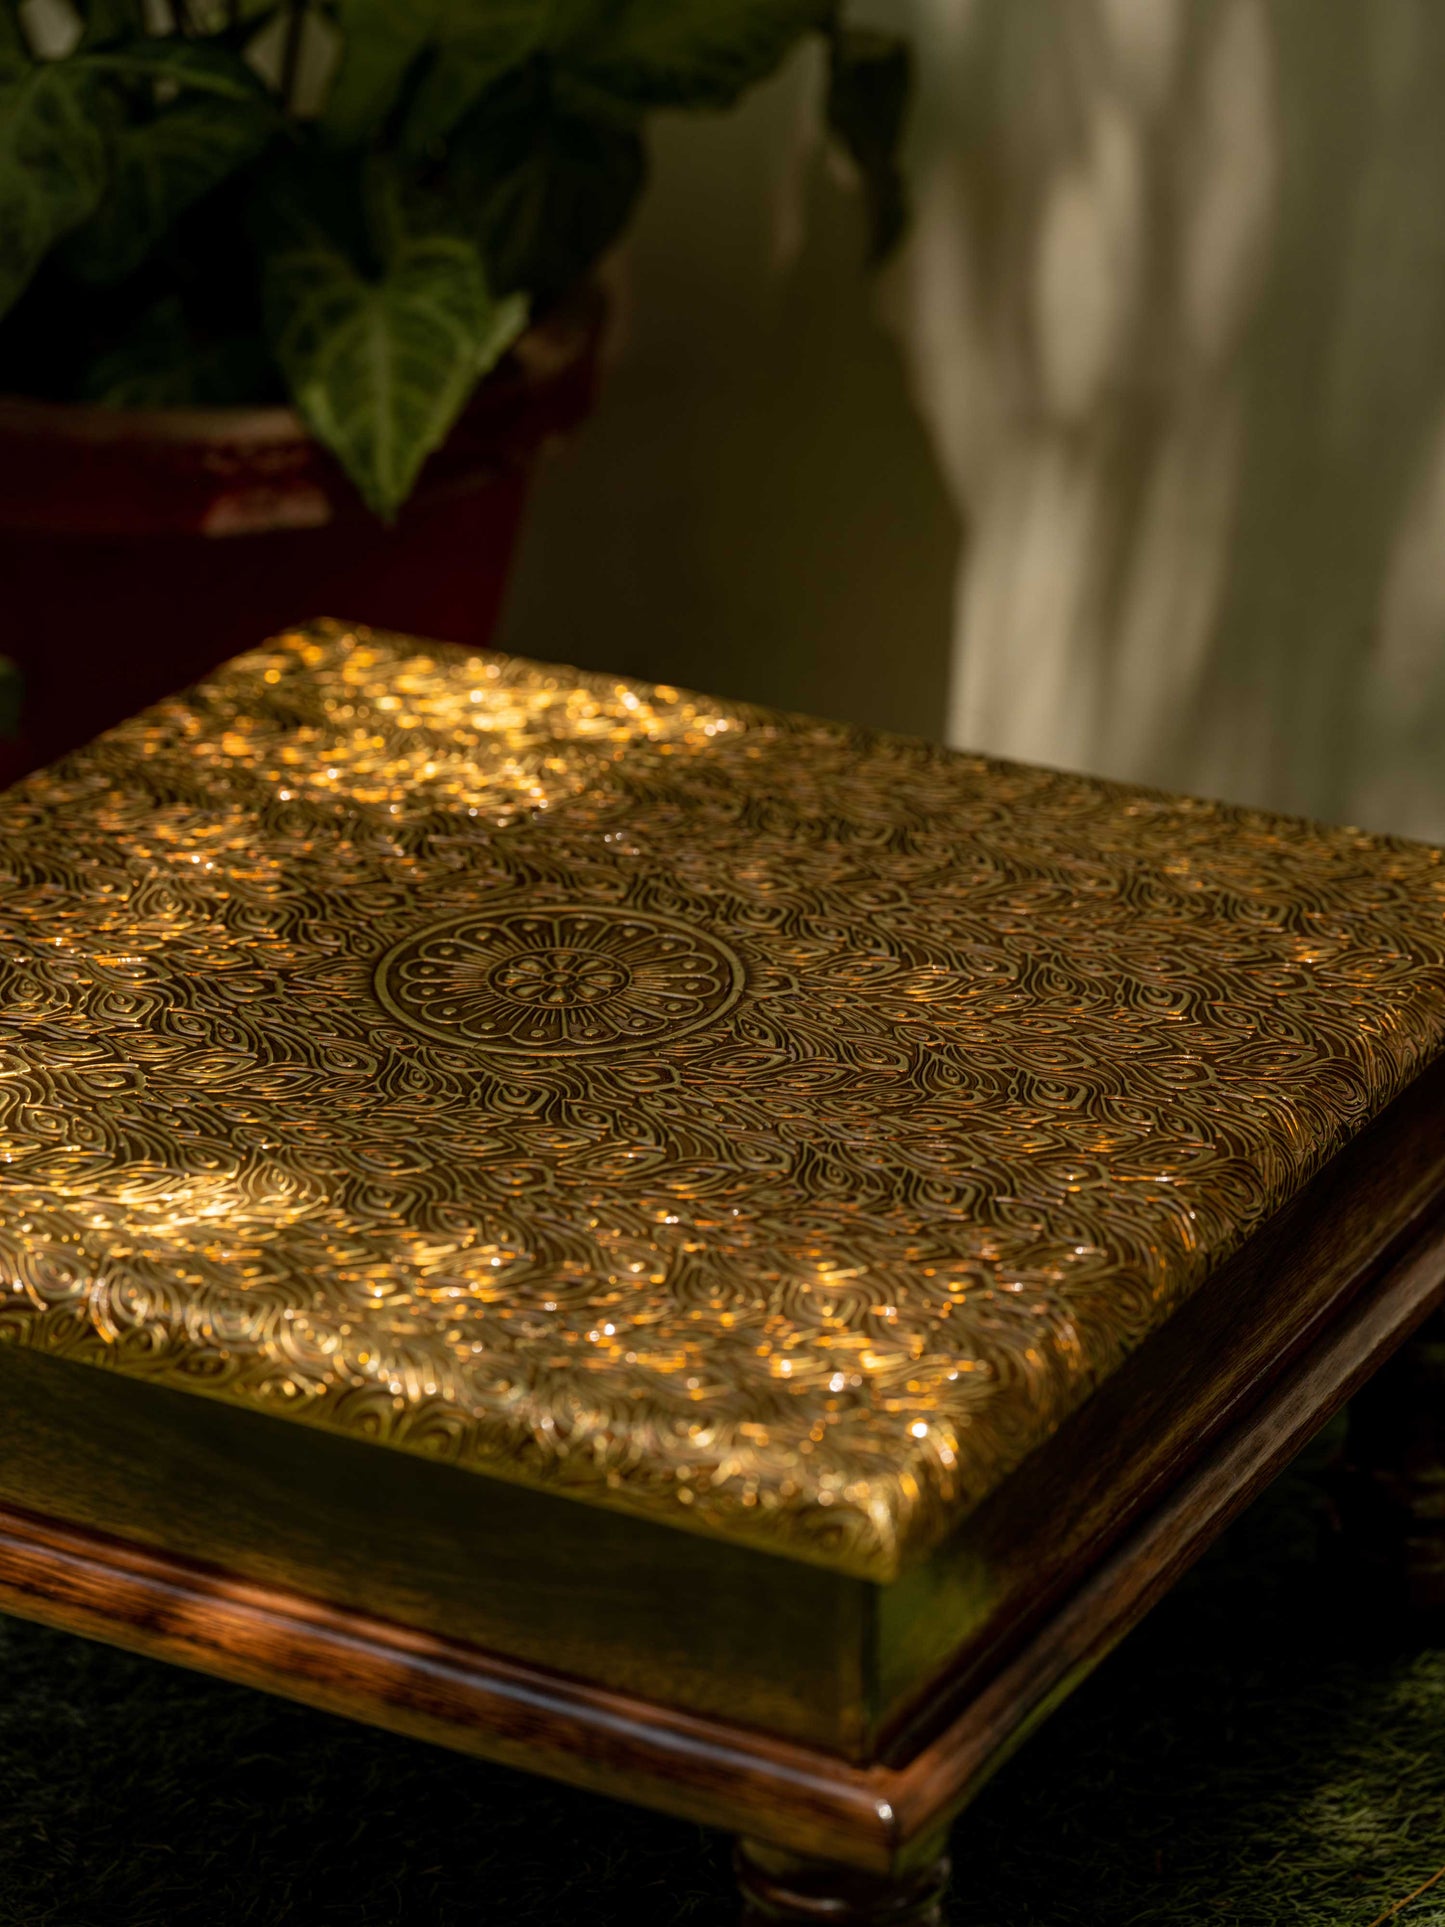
[{"x": 558, "y": 981}]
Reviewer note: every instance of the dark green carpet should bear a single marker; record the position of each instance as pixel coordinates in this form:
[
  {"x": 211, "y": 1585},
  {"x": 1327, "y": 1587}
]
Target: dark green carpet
[{"x": 1259, "y": 1753}]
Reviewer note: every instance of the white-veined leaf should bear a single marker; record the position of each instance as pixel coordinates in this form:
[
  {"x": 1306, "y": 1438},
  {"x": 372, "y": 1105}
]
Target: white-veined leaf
[
  {"x": 160, "y": 168},
  {"x": 380, "y": 369},
  {"x": 52, "y": 167},
  {"x": 545, "y": 172}
]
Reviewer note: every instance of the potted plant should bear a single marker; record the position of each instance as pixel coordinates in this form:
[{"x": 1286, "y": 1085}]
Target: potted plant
[{"x": 291, "y": 292}]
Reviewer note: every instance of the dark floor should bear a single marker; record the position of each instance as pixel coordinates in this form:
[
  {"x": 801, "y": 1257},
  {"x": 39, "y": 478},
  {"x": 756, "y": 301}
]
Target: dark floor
[{"x": 1259, "y": 1753}]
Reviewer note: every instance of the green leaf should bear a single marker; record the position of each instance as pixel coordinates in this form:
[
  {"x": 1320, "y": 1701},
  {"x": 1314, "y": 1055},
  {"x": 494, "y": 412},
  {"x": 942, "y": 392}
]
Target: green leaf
[
  {"x": 192, "y": 65},
  {"x": 162, "y": 167},
  {"x": 690, "y": 53},
  {"x": 547, "y": 174},
  {"x": 161, "y": 364},
  {"x": 385, "y": 41},
  {"x": 465, "y": 67},
  {"x": 52, "y": 167},
  {"x": 452, "y": 50},
  {"x": 380, "y": 369},
  {"x": 869, "y": 81},
  {"x": 380, "y": 41}
]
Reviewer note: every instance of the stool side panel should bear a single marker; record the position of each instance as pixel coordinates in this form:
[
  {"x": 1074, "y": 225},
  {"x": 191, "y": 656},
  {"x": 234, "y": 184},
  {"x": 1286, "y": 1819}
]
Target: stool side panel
[
  {"x": 946, "y": 1626},
  {"x": 670, "y": 1617}
]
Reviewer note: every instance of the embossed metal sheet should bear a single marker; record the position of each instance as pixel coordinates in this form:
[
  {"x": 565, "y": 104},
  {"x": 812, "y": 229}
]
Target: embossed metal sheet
[{"x": 764, "y": 1126}]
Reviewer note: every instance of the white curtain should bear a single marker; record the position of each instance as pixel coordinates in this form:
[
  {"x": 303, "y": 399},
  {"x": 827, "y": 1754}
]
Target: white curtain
[{"x": 1134, "y": 462}]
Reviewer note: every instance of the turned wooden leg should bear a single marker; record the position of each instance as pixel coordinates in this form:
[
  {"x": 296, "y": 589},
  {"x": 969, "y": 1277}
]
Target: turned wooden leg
[
  {"x": 1395, "y": 1511},
  {"x": 781, "y": 1886}
]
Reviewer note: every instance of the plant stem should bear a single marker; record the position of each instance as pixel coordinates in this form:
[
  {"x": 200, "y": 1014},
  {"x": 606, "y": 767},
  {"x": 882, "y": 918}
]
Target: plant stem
[{"x": 291, "y": 54}]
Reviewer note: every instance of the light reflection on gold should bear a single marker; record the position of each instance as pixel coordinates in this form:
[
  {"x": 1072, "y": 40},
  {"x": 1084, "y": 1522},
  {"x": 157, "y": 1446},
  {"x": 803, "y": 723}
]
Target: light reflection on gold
[{"x": 866, "y": 1103}]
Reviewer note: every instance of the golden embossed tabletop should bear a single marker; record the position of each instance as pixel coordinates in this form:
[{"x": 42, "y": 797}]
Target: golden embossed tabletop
[{"x": 764, "y": 1126}]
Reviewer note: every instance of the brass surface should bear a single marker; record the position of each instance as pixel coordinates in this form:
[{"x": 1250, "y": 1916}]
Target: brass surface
[{"x": 766, "y": 1127}]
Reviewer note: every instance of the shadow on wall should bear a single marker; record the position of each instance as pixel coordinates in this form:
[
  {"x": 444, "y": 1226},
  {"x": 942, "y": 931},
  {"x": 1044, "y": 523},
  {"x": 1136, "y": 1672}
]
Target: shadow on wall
[
  {"x": 756, "y": 509},
  {"x": 1173, "y": 311},
  {"x": 1176, "y": 299}
]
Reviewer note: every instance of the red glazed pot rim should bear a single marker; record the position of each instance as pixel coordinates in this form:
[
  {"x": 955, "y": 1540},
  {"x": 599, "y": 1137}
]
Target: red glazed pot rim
[{"x": 79, "y": 469}]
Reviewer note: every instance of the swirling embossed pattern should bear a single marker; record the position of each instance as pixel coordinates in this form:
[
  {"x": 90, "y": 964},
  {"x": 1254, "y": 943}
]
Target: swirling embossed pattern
[{"x": 978, "y": 1070}]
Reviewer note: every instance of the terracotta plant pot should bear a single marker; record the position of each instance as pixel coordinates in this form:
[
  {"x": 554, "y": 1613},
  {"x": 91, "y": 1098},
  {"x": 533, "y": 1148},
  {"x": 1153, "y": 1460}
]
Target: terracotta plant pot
[{"x": 139, "y": 548}]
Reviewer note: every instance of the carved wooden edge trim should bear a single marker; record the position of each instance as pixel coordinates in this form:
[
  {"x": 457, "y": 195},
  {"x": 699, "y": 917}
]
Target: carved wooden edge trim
[
  {"x": 881, "y": 1819},
  {"x": 416, "y": 1682},
  {"x": 946, "y": 1774}
]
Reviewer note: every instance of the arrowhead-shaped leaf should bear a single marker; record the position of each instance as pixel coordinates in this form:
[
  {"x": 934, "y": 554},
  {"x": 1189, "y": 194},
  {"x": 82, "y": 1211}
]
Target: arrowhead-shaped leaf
[
  {"x": 52, "y": 167},
  {"x": 160, "y": 168},
  {"x": 380, "y": 369},
  {"x": 690, "y": 53},
  {"x": 545, "y": 173},
  {"x": 476, "y": 40},
  {"x": 466, "y": 66},
  {"x": 380, "y": 40}
]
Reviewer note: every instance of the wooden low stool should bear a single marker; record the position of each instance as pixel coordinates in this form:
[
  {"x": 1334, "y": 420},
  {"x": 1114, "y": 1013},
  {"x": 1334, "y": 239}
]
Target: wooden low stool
[{"x": 717, "y": 1256}]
